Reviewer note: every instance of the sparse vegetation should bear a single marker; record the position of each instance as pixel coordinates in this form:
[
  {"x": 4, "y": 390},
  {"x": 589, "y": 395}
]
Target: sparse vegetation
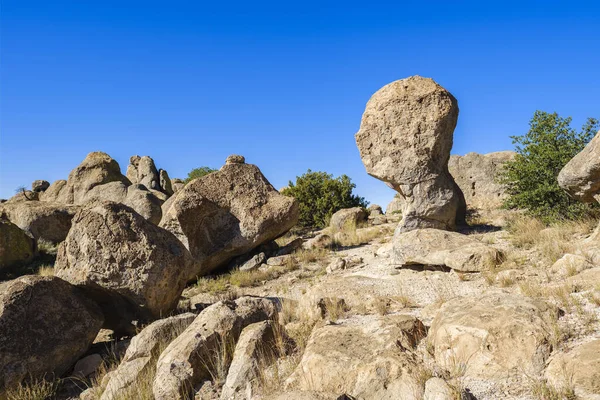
[
  {"x": 33, "y": 390},
  {"x": 530, "y": 179},
  {"x": 320, "y": 195},
  {"x": 198, "y": 173}
]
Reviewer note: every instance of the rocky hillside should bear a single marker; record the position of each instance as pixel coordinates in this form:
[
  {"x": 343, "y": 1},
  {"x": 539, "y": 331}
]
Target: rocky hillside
[{"x": 137, "y": 286}]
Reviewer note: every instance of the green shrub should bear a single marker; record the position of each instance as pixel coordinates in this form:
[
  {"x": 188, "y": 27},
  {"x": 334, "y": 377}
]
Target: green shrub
[
  {"x": 198, "y": 173},
  {"x": 530, "y": 179},
  {"x": 320, "y": 195}
]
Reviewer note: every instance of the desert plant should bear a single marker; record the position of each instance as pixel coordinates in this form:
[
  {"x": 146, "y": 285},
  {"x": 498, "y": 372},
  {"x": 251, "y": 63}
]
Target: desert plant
[
  {"x": 530, "y": 178},
  {"x": 198, "y": 173},
  {"x": 33, "y": 390},
  {"x": 320, "y": 195}
]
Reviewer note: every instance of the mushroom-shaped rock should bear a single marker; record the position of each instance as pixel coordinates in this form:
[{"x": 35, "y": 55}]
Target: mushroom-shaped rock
[
  {"x": 580, "y": 178},
  {"x": 227, "y": 213},
  {"x": 405, "y": 138},
  {"x": 46, "y": 325},
  {"x": 131, "y": 267}
]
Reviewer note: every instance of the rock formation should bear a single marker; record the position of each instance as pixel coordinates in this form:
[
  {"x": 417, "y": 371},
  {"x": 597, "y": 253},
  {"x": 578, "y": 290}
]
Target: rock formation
[
  {"x": 227, "y": 213},
  {"x": 40, "y": 186},
  {"x": 132, "y": 268},
  {"x": 348, "y": 218},
  {"x": 45, "y": 326},
  {"x": 405, "y": 139},
  {"x": 477, "y": 177},
  {"x": 16, "y": 246},
  {"x": 580, "y": 178}
]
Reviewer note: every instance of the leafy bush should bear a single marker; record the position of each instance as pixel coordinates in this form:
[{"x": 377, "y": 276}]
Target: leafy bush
[
  {"x": 320, "y": 195},
  {"x": 530, "y": 179},
  {"x": 198, "y": 173}
]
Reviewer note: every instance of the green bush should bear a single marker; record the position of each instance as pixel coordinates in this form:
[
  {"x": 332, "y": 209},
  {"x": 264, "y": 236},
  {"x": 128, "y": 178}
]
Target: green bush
[
  {"x": 530, "y": 179},
  {"x": 198, "y": 173},
  {"x": 320, "y": 195}
]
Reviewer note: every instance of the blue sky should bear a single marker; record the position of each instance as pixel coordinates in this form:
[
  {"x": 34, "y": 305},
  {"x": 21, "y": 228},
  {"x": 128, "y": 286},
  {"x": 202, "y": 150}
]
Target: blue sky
[{"x": 282, "y": 83}]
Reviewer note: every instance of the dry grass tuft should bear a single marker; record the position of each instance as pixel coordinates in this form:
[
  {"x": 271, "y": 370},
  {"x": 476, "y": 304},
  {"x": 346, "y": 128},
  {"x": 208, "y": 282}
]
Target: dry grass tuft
[
  {"x": 33, "y": 390},
  {"x": 46, "y": 270}
]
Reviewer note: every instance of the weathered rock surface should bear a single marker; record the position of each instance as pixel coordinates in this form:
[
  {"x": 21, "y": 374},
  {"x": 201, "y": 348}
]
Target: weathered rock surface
[
  {"x": 46, "y": 325},
  {"x": 365, "y": 358},
  {"x": 437, "y": 389},
  {"x": 165, "y": 182},
  {"x": 96, "y": 169},
  {"x": 87, "y": 366},
  {"x": 570, "y": 264},
  {"x": 53, "y": 192},
  {"x": 348, "y": 218},
  {"x": 578, "y": 369},
  {"x": 320, "y": 241},
  {"x": 491, "y": 335},
  {"x": 477, "y": 176},
  {"x": 405, "y": 139},
  {"x": 39, "y": 185},
  {"x": 16, "y": 246},
  {"x": 580, "y": 178},
  {"x": 24, "y": 195},
  {"x": 374, "y": 209},
  {"x": 227, "y": 213},
  {"x": 143, "y": 352},
  {"x": 131, "y": 267},
  {"x": 43, "y": 220},
  {"x": 177, "y": 184},
  {"x": 184, "y": 362},
  {"x": 434, "y": 247},
  {"x": 141, "y": 170},
  {"x": 255, "y": 348}
]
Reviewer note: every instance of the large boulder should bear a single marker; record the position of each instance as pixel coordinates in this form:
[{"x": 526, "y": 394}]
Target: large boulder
[
  {"x": 44, "y": 221},
  {"x": 405, "y": 139},
  {"x": 578, "y": 369},
  {"x": 348, "y": 218},
  {"x": 52, "y": 194},
  {"x": 46, "y": 325},
  {"x": 141, "y": 170},
  {"x": 96, "y": 169},
  {"x": 490, "y": 336},
  {"x": 189, "y": 359},
  {"x": 227, "y": 213},
  {"x": 24, "y": 195},
  {"x": 477, "y": 176},
  {"x": 131, "y": 267},
  {"x": 136, "y": 196},
  {"x": 367, "y": 358},
  {"x": 16, "y": 246},
  {"x": 434, "y": 247},
  {"x": 177, "y": 184},
  {"x": 142, "y": 353},
  {"x": 39, "y": 185},
  {"x": 580, "y": 178}
]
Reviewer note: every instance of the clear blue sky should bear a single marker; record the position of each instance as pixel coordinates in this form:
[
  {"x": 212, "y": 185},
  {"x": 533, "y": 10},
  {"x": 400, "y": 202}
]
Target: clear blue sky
[{"x": 283, "y": 83}]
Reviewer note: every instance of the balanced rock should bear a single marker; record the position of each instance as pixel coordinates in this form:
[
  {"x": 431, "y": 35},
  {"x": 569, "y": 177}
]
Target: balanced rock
[
  {"x": 16, "y": 246},
  {"x": 348, "y": 218},
  {"x": 227, "y": 213},
  {"x": 44, "y": 221},
  {"x": 405, "y": 138},
  {"x": 580, "y": 178},
  {"x": 184, "y": 362},
  {"x": 132, "y": 268},
  {"x": 492, "y": 335},
  {"x": 46, "y": 325},
  {"x": 142, "y": 353},
  {"x": 477, "y": 177},
  {"x": 434, "y": 247},
  {"x": 40, "y": 186}
]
